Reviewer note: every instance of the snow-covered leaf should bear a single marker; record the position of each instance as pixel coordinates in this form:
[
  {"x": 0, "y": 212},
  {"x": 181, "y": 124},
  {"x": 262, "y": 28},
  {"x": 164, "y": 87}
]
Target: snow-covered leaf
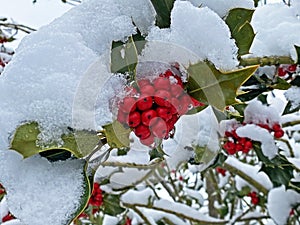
[
  {"x": 163, "y": 10},
  {"x": 25, "y": 138},
  {"x": 238, "y": 21},
  {"x": 25, "y": 141},
  {"x": 124, "y": 56},
  {"x": 219, "y": 89},
  {"x": 117, "y": 136}
]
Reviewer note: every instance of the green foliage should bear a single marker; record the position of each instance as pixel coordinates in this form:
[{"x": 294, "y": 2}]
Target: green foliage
[
  {"x": 238, "y": 21},
  {"x": 124, "y": 56},
  {"x": 117, "y": 136},
  {"x": 25, "y": 141},
  {"x": 163, "y": 10},
  {"x": 204, "y": 154},
  {"x": 298, "y": 54},
  {"x": 219, "y": 89},
  {"x": 111, "y": 204}
]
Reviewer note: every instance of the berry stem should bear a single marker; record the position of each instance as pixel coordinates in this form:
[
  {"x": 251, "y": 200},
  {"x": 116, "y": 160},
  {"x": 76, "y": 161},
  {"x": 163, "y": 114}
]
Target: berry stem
[{"x": 266, "y": 61}]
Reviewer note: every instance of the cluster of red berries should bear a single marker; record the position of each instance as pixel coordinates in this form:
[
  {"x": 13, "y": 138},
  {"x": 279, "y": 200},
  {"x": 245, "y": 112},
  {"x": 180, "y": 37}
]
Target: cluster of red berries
[
  {"x": 235, "y": 143},
  {"x": 96, "y": 198},
  {"x": 254, "y": 197},
  {"x": 5, "y": 57},
  {"x": 153, "y": 108},
  {"x": 7, "y": 217},
  {"x": 221, "y": 171},
  {"x": 285, "y": 69}
]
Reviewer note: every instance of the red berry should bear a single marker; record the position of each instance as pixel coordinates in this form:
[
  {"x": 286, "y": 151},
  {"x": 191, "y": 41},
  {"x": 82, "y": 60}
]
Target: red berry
[
  {"x": 143, "y": 82},
  {"x": 161, "y": 83},
  {"x": 248, "y": 145},
  {"x": 281, "y": 72},
  {"x": 162, "y": 98},
  {"x": 242, "y": 141},
  {"x": 158, "y": 127},
  {"x": 221, "y": 171},
  {"x": 147, "y": 116},
  {"x": 144, "y": 102},
  {"x": 8, "y": 217},
  {"x": 148, "y": 141},
  {"x": 134, "y": 119},
  {"x": 255, "y": 200},
  {"x": 165, "y": 113},
  {"x": 148, "y": 90},
  {"x": 128, "y": 104},
  {"x": 276, "y": 127},
  {"x": 228, "y": 134},
  {"x": 185, "y": 102},
  {"x": 168, "y": 73},
  {"x": 292, "y": 68},
  {"x": 279, "y": 133},
  {"x": 239, "y": 147},
  {"x": 176, "y": 90},
  {"x": 142, "y": 131},
  {"x": 127, "y": 221},
  {"x": 265, "y": 126},
  {"x": 230, "y": 147},
  {"x": 174, "y": 105}
]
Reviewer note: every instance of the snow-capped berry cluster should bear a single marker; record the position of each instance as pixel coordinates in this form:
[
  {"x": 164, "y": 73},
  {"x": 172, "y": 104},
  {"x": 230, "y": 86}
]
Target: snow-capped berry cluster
[
  {"x": 254, "y": 198},
  {"x": 235, "y": 143},
  {"x": 153, "y": 108},
  {"x": 286, "y": 68}
]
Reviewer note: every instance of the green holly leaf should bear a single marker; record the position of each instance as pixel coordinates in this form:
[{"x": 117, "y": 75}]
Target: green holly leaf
[
  {"x": 281, "y": 84},
  {"x": 117, "y": 135},
  {"x": 25, "y": 141},
  {"x": 298, "y": 54},
  {"x": 163, "y": 10},
  {"x": 204, "y": 154},
  {"x": 211, "y": 86},
  {"x": 124, "y": 56},
  {"x": 111, "y": 205},
  {"x": 238, "y": 21}
]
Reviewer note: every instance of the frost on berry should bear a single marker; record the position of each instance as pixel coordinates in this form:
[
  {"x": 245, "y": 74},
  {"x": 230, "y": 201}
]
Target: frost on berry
[{"x": 153, "y": 105}]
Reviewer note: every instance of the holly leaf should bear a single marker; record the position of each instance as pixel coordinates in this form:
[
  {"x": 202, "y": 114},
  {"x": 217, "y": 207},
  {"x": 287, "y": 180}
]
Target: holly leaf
[
  {"x": 25, "y": 139},
  {"x": 111, "y": 205},
  {"x": 79, "y": 144},
  {"x": 281, "y": 84},
  {"x": 211, "y": 86},
  {"x": 163, "y": 10},
  {"x": 204, "y": 155},
  {"x": 298, "y": 54},
  {"x": 124, "y": 56},
  {"x": 117, "y": 136},
  {"x": 238, "y": 21}
]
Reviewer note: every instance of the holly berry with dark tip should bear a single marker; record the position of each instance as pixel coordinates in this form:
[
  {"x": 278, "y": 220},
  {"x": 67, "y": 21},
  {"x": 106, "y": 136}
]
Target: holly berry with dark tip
[
  {"x": 161, "y": 83},
  {"x": 134, "y": 119},
  {"x": 148, "y": 90},
  {"x": 142, "y": 131},
  {"x": 144, "y": 103},
  {"x": 148, "y": 141},
  {"x": 158, "y": 127},
  {"x": 147, "y": 116}
]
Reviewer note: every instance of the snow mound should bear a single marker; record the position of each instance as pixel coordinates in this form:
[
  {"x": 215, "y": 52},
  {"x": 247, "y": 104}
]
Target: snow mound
[
  {"x": 292, "y": 95},
  {"x": 189, "y": 32},
  {"x": 40, "y": 192}
]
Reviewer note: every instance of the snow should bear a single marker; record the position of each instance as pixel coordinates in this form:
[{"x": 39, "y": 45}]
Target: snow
[
  {"x": 273, "y": 24},
  {"x": 258, "y": 113},
  {"x": 13, "y": 222},
  {"x": 292, "y": 95},
  {"x": 280, "y": 203},
  {"x": 251, "y": 171},
  {"x": 39, "y": 191},
  {"x": 188, "y": 39},
  {"x": 262, "y": 135},
  {"x": 41, "y": 81},
  {"x": 110, "y": 220},
  {"x": 221, "y": 7},
  {"x": 137, "y": 197}
]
